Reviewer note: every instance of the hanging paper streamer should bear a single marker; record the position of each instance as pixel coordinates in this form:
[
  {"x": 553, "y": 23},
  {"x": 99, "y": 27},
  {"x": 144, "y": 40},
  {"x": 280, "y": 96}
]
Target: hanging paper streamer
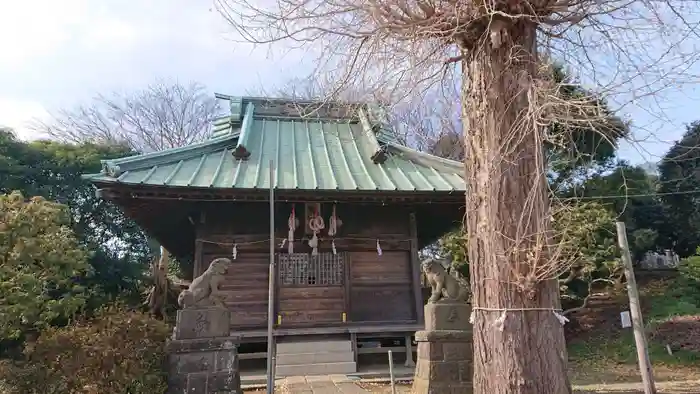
[
  {"x": 500, "y": 322},
  {"x": 316, "y": 224},
  {"x": 234, "y": 252},
  {"x": 292, "y": 224},
  {"x": 379, "y": 248},
  {"x": 562, "y": 319},
  {"x": 333, "y": 224},
  {"x": 313, "y": 243}
]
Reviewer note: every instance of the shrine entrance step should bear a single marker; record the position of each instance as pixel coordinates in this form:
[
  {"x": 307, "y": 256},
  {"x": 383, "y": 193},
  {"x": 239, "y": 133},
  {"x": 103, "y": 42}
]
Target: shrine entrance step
[{"x": 315, "y": 356}]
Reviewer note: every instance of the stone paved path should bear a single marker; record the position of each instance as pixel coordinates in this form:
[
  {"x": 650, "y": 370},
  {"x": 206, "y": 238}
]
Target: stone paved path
[{"x": 332, "y": 384}]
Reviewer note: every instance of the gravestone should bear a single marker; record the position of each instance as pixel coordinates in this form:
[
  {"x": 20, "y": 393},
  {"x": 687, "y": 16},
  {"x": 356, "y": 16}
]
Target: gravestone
[{"x": 444, "y": 350}]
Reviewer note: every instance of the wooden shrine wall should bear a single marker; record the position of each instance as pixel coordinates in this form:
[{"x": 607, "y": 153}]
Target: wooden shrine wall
[
  {"x": 381, "y": 287},
  {"x": 376, "y": 288}
]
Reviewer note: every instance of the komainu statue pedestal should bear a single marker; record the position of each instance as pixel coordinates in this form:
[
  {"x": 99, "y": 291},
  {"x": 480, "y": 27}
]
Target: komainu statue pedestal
[
  {"x": 444, "y": 350},
  {"x": 203, "y": 357}
]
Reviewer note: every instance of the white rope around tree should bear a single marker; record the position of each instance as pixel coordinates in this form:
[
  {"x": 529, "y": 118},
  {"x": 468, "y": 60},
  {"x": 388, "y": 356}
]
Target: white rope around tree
[{"x": 499, "y": 323}]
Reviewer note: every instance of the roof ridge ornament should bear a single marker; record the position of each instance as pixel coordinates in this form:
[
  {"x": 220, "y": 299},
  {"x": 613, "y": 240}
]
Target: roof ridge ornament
[
  {"x": 241, "y": 152},
  {"x": 227, "y": 124},
  {"x": 236, "y": 108},
  {"x": 379, "y": 154},
  {"x": 111, "y": 170},
  {"x": 379, "y": 119}
]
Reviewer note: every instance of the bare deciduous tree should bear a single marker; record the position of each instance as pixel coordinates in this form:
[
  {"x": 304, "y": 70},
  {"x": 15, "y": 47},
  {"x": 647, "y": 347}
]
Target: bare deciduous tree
[
  {"x": 500, "y": 50},
  {"x": 163, "y": 115}
]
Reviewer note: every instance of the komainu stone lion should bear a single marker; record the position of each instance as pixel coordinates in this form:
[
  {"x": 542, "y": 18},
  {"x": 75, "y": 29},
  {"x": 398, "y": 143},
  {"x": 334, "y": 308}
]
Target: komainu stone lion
[
  {"x": 444, "y": 286},
  {"x": 204, "y": 289}
]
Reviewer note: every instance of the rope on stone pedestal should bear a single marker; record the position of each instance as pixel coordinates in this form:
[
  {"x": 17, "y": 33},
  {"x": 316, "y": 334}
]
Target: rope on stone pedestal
[{"x": 499, "y": 323}]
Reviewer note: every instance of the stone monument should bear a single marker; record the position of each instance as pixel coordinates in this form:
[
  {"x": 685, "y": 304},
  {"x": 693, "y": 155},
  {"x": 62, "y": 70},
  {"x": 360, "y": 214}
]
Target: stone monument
[
  {"x": 202, "y": 355},
  {"x": 445, "y": 346}
]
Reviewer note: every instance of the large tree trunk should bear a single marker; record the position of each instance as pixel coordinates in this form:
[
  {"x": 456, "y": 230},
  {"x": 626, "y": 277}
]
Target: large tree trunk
[{"x": 507, "y": 208}]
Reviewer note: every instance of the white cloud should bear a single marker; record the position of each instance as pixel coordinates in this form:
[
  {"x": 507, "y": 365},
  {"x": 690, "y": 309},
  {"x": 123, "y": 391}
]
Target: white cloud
[
  {"x": 42, "y": 29},
  {"x": 16, "y": 114},
  {"x": 34, "y": 29},
  {"x": 112, "y": 32}
]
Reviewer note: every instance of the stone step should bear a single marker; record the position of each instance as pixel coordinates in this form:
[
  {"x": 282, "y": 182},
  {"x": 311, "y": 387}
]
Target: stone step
[
  {"x": 320, "y": 346},
  {"x": 341, "y": 368},
  {"x": 314, "y": 358}
]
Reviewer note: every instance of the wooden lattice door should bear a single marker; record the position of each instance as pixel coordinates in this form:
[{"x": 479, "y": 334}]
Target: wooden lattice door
[{"x": 311, "y": 289}]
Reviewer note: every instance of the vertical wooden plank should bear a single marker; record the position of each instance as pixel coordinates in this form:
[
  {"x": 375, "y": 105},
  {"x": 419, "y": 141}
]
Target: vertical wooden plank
[
  {"x": 348, "y": 293},
  {"x": 415, "y": 268},
  {"x": 198, "y": 254},
  {"x": 199, "y": 232}
]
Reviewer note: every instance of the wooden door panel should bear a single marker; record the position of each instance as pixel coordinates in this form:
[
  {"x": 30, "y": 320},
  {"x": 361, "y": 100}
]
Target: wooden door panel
[{"x": 381, "y": 287}]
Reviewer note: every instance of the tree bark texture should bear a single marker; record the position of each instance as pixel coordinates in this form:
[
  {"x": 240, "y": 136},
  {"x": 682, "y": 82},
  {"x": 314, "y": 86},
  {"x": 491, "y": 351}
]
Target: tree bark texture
[{"x": 507, "y": 202}]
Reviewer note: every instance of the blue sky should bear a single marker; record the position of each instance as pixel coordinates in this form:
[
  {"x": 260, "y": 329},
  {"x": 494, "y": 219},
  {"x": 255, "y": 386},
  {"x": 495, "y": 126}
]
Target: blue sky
[{"x": 61, "y": 53}]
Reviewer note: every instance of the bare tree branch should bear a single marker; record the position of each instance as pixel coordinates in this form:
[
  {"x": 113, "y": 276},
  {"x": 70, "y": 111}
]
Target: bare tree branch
[{"x": 163, "y": 115}]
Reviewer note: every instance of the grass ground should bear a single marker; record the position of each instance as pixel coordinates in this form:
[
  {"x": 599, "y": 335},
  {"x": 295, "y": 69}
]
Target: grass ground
[{"x": 600, "y": 351}]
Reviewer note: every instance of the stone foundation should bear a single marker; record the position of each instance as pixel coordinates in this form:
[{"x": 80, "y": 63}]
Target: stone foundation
[
  {"x": 444, "y": 350},
  {"x": 203, "y": 357}
]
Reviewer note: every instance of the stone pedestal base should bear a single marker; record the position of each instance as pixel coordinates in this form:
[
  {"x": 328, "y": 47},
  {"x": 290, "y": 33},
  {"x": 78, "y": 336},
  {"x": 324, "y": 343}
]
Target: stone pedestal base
[
  {"x": 203, "y": 358},
  {"x": 444, "y": 351}
]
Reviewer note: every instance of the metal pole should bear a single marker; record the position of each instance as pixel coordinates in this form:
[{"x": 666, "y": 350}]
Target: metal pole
[
  {"x": 271, "y": 348},
  {"x": 391, "y": 372},
  {"x": 636, "y": 312}
]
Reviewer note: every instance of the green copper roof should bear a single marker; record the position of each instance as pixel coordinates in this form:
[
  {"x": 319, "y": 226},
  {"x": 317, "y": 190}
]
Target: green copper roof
[{"x": 308, "y": 153}]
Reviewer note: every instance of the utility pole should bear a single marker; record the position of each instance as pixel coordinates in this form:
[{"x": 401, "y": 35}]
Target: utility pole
[
  {"x": 271, "y": 345},
  {"x": 636, "y": 312}
]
